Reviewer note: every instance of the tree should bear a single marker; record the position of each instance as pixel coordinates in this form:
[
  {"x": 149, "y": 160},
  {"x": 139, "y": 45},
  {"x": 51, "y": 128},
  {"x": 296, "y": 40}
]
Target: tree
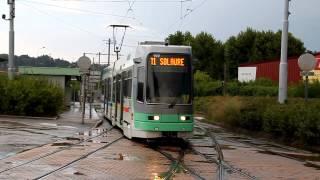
[
  {"x": 206, "y": 50},
  {"x": 41, "y": 61},
  {"x": 255, "y": 46},
  {"x": 179, "y": 38},
  {"x": 209, "y": 54}
]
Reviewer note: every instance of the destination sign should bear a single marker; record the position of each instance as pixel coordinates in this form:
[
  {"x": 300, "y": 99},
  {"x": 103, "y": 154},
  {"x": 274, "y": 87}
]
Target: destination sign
[{"x": 178, "y": 61}]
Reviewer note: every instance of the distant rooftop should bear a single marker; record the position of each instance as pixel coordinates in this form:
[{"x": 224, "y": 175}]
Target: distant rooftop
[
  {"x": 152, "y": 43},
  {"x": 53, "y": 71}
]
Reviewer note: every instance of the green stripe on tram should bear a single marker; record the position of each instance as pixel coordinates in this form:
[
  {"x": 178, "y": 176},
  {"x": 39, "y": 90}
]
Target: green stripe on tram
[{"x": 167, "y": 122}]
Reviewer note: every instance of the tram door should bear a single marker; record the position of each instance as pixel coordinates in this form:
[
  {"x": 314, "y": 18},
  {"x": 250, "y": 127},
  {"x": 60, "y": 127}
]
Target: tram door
[
  {"x": 107, "y": 94},
  {"x": 122, "y": 85}
]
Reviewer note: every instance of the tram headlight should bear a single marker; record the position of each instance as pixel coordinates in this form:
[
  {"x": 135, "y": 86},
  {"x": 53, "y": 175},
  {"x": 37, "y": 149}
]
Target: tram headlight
[
  {"x": 156, "y": 118},
  {"x": 183, "y": 118}
]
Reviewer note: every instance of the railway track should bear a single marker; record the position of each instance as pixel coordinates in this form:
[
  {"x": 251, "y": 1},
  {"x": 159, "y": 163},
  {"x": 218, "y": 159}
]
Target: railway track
[
  {"x": 79, "y": 159},
  {"x": 57, "y": 151},
  {"x": 224, "y": 168},
  {"x": 177, "y": 163},
  {"x": 261, "y": 146},
  {"x": 63, "y": 148}
]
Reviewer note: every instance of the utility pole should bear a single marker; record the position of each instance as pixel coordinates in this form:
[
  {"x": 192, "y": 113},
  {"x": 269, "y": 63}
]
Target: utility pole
[
  {"x": 11, "y": 66},
  {"x": 225, "y": 78},
  {"x": 283, "y": 69},
  {"x": 109, "y": 46},
  {"x": 99, "y": 54}
]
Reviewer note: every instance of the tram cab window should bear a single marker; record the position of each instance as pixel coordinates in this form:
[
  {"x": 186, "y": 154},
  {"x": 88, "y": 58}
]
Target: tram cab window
[{"x": 140, "y": 79}]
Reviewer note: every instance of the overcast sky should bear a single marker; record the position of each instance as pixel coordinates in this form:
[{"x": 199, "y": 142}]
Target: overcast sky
[{"x": 67, "y": 28}]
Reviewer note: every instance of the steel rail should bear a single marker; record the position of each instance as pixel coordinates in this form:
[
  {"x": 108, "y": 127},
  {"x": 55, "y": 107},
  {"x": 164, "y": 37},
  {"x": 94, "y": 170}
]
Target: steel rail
[
  {"x": 78, "y": 159},
  {"x": 220, "y": 161},
  {"x": 176, "y": 163},
  {"x": 56, "y": 151}
]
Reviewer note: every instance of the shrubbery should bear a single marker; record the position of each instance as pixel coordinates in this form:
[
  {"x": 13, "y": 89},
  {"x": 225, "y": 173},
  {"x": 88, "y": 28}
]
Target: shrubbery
[
  {"x": 295, "y": 121},
  {"x": 206, "y": 86},
  {"x": 29, "y": 96}
]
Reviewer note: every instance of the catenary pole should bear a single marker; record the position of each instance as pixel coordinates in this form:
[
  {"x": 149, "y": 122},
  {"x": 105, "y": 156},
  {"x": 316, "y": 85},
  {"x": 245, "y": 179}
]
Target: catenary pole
[
  {"x": 11, "y": 66},
  {"x": 283, "y": 68}
]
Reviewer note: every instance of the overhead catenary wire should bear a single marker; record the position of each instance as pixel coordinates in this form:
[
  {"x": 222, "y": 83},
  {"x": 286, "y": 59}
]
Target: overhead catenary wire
[
  {"x": 127, "y": 16},
  {"x": 121, "y": 1},
  {"x": 76, "y": 9},
  {"x": 189, "y": 11},
  {"x": 62, "y": 21}
]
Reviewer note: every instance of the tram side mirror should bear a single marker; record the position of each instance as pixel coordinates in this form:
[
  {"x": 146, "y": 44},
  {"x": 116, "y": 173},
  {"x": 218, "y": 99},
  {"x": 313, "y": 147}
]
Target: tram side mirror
[{"x": 137, "y": 60}]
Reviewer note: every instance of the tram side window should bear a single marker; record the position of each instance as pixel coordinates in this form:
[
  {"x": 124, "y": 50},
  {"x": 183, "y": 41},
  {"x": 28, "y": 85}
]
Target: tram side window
[
  {"x": 129, "y": 87},
  {"x": 129, "y": 83},
  {"x": 124, "y": 84},
  {"x": 118, "y": 88},
  {"x": 109, "y": 89},
  {"x": 114, "y": 90},
  {"x": 140, "y": 94}
]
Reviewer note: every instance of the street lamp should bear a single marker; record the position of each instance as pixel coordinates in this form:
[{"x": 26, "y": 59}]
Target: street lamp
[{"x": 11, "y": 66}]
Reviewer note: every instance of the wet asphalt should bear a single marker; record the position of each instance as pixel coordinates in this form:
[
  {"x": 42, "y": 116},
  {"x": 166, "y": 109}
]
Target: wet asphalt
[
  {"x": 243, "y": 157},
  {"x": 21, "y": 134}
]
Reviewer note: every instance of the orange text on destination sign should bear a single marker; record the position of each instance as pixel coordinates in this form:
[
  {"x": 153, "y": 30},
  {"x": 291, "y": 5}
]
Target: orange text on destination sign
[{"x": 164, "y": 61}]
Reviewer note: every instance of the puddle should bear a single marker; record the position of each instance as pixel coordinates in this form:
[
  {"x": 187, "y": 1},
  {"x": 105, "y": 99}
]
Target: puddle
[
  {"x": 98, "y": 141},
  {"x": 72, "y": 171},
  {"x": 198, "y": 136},
  {"x": 125, "y": 157},
  {"x": 315, "y": 158},
  {"x": 93, "y": 132},
  {"x": 227, "y": 147},
  {"x": 13, "y": 149},
  {"x": 73, "y": 139},
  {"x": 49, "y": 124},
  {"x": 308, "y": 164},
  {"x": 62, "y": 144},
  {"x": 14, "y": 124}
]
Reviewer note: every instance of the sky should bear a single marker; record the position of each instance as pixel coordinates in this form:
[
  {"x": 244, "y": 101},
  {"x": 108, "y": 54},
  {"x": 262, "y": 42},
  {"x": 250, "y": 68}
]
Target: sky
[{"x": 68, "y": 28}]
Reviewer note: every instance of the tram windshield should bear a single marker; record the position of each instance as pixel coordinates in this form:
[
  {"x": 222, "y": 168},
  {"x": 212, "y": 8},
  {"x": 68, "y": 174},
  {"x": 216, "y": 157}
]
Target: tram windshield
[{"x": 169, "y": 79}]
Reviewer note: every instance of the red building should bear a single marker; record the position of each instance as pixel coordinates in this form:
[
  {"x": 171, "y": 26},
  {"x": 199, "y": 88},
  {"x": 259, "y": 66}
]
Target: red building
[{"x": 270, "y": 69}]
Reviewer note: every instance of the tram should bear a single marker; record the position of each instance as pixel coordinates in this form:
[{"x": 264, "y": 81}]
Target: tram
[{"x": 149, "y": 94}]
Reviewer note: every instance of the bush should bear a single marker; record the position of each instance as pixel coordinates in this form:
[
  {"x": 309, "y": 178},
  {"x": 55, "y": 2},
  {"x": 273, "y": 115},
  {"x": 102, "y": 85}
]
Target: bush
[
  {"x": 298, "y": 90},
  {"x": 295, "y": 121},
  {"x": 29, "y": 96},
  {"x": 205, "y": 86}
]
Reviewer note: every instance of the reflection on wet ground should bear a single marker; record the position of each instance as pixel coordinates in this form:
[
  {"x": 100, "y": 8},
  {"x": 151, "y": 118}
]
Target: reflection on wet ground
[
  {"x": 254, "y": 155},
  {"x": 20, "y": 134}
]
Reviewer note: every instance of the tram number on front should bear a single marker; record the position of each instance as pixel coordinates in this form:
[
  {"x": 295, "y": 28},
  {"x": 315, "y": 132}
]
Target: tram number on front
[{"x": 167, "y": 61}]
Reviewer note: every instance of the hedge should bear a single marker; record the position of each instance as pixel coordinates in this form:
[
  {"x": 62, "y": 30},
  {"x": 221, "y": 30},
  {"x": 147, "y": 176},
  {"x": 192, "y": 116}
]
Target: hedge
[
  {"x": 30, "y": 97},
  {"x": 296, "y": 121},
  {"x": 206, "y": 86}
]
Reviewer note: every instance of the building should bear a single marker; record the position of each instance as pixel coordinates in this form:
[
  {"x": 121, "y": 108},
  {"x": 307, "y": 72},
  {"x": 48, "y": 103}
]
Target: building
[
  {"x": 270, "y": 70},
  {"x": 57, "y": 75}
]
